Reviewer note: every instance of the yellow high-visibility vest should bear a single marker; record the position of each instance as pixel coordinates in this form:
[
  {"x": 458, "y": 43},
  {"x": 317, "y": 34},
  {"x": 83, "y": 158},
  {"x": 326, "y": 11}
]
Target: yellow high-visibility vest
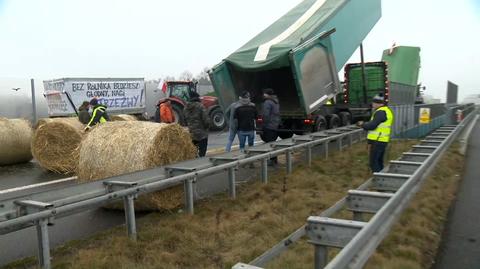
[
  {"x": 383, "y": 130},
  {"x": 94, "y": 114}
]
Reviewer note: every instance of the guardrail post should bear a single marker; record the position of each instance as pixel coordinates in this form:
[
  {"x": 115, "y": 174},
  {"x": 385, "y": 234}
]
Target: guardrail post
[
  {"x": 130, "y": 216},
  {"x": 231, "y": 182},
  {"x": 43, "y": 244},
  {"x": 325, "y": 149},
  {"x": 321, "y": 256},
  {"x": 188, "y": 185},
  {"x": 358, "y": 216},
  {"x": 339, "y": 143},
  {"x": 309, "y": 156},
  {"x": 265, "y": 171},
  {"x": 289, "y": 161}
]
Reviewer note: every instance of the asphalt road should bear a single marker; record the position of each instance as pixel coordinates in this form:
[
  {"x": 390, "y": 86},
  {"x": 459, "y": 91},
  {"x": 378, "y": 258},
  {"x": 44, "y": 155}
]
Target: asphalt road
[
  {"x": 31, "y": 173},
  {"x": 460, "y": 247}
]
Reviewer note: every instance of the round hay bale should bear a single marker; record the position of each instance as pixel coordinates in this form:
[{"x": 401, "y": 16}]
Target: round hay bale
[
  {"x": 121, "y": 147},
  {"x": 123, "y": 117},
  {"x": 15, "y": 137},
  {"x": 55, "y": 144}
]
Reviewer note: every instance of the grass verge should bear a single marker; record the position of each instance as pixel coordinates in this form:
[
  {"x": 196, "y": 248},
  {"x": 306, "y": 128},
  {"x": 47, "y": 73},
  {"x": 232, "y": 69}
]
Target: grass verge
[{"x": 224, "y": 232}]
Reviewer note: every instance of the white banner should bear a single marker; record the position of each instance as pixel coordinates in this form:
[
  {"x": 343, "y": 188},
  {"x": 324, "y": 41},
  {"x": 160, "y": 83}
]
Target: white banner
[{"x": 118, "y": 95}]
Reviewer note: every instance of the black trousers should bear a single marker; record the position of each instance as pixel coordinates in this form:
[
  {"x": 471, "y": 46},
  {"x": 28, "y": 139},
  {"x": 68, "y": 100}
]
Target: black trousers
[
  {"x": 269, "y": 135},
  {"x": 377, "y": 153},
  {"x": 201, "y": 146}
]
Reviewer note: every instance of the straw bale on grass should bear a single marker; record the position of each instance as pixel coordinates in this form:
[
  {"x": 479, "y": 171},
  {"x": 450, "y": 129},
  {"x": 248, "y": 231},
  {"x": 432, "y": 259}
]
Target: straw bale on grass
[
  {"x": 55, "y": 144},
  {"x": 123, "y": 117},
  {"x": 15, "y": 137},
  {"x": 121, "y": 147}
]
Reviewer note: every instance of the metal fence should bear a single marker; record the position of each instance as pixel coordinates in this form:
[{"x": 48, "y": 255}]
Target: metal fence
[{"x": 357, "y": 238}]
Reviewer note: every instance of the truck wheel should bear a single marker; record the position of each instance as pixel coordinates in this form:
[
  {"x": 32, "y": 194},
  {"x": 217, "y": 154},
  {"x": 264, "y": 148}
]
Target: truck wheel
[
  {"x": 218, "y": 120},
  {"x": 285, "y": 134},
  {"x": 178, "y": 113},
  {"x": 345, "y": 118},
  {"x": 320, "y": 124},
  {"x": 334, "y": 121}
]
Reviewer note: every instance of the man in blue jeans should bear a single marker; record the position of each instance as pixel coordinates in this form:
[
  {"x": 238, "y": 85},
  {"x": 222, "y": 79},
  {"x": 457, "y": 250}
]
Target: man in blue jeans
[
  {"x": 232, "y": 125},
  {"x": 245, "y": 115}
]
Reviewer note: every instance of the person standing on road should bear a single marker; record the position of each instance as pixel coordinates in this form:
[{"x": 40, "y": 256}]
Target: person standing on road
[
  {"x": 379, "y": 129},
  {"x": 245, "y": 115},
  {"x": 83, "y": 114},
  {"x": 198, "y": 123},
  {"x": 99, "y": 114},
  {"x": 271, "y": 119},
  {"x": 232, "y": 124},
  {"x": 164, "y": 111}
]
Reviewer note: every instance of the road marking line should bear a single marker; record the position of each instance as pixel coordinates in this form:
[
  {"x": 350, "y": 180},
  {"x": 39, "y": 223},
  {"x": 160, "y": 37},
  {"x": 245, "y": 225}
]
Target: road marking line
[
  {"x": 263, "y": 49},
  {"x": 27, "y": 187}
]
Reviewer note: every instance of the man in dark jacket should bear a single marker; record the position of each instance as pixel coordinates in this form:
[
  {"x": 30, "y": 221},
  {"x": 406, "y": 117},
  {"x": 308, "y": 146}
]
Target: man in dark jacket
[
  {"x": 245, "y": 115},
  {"x": 83, "y": 114},
  {"x": 198, "y": 123},
  {"x": 379, "y": 130},
  {"x": 271, "y": 119},
  {"x": 99, "y": 114}
]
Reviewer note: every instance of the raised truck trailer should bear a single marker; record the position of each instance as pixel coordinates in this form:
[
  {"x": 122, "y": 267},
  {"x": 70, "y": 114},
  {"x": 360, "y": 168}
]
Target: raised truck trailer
[
  {"x": 120, "y": 95},
  {"x": 396, "y": 76},
  {"x": 299, "y": 57}
]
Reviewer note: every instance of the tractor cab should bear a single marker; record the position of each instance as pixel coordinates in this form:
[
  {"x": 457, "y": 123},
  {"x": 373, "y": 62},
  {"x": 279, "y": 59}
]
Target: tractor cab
[{"x": 178, "y": 92}]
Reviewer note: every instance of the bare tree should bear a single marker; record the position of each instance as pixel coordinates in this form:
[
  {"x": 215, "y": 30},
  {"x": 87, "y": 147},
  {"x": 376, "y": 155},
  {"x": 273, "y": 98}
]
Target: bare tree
[
  {"x": 186, "y": 75},
  {"x": 203, "y": 78}
]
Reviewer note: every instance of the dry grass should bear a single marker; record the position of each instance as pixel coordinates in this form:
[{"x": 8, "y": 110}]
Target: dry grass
[
  {"x": 224, "y": 232},
  {"x": 55, "y": 144},
  {"x": 15, "y": 137}
]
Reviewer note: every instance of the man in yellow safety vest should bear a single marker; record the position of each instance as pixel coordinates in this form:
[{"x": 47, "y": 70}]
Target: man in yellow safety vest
[
  {"x": 99, "y": 114},
  {"x": 379, "y": 129}
]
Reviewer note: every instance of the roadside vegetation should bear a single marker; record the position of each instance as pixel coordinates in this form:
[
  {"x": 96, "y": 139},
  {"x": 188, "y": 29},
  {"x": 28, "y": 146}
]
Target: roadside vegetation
[{"x": 223, "y": 232}]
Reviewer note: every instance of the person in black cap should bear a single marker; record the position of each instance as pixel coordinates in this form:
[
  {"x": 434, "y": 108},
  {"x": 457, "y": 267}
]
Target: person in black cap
[
  {"x": 379, "y": 130},
  {"x": 271, "y": 119},
  {"x": 99, "y": 114},
  {"x": 198, "y": 123}
]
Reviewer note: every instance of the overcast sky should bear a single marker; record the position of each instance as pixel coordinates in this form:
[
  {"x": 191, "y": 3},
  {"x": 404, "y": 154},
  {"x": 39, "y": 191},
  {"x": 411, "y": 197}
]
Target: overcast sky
[{"x": 68, "y": 38}]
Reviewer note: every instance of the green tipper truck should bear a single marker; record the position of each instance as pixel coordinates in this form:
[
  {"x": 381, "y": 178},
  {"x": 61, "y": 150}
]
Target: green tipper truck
[
  {"x": 396, "y": 76},
  {"x": 299, "y": 57}
]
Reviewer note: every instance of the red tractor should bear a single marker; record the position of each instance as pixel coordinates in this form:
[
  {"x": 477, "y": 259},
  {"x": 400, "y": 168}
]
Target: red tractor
[{"x": 178, "y": 92}]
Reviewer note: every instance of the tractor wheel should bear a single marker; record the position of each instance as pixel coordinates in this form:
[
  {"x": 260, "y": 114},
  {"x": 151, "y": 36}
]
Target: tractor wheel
[
  {"x": 178, "y": 113},
  {"x": 218, "y": 119}
]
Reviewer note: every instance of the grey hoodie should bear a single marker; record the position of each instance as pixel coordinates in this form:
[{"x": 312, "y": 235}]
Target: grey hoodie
[{"x": 271, "y": 113}]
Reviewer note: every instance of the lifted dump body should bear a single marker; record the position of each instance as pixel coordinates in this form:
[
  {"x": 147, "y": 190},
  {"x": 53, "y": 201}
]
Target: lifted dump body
[
  {"x": 298, "y": 56},
  {"x": 396, "y": 76},
  {"x": 120, "y": 95}
]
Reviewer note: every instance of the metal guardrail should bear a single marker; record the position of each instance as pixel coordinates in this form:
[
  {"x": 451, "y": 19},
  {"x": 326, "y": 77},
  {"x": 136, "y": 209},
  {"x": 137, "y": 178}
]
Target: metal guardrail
[
  {"x": 26, "y": 208},
  {"x": 359, "y": 239}
]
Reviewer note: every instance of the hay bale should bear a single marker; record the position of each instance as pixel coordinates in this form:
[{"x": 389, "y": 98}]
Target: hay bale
[
  {"x": 55, "y": 144},
  {"x": 116, "y": 148},
  {"x": 15, "y": 137},
  {"x": 123, "y": 117}
]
